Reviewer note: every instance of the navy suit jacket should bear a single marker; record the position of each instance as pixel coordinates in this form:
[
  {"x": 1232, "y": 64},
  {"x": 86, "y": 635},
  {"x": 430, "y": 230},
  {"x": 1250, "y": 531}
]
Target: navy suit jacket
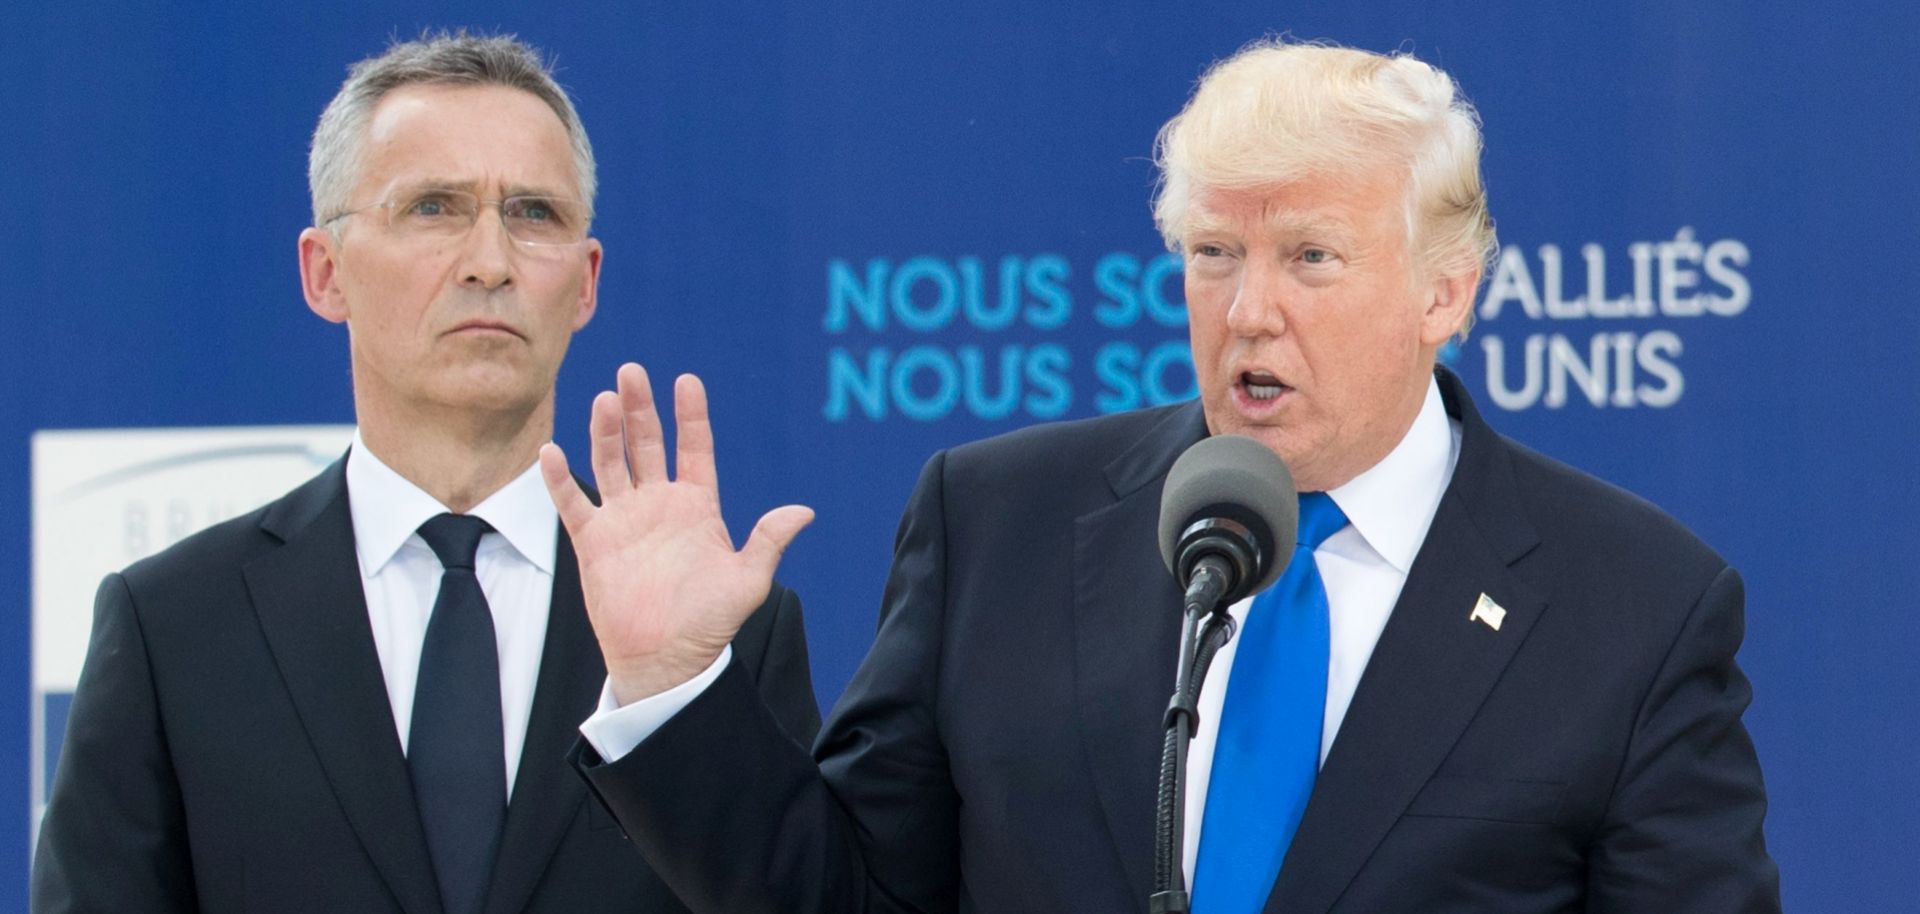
[
  {"x": 231, "y": 746},
  {"x": 998, "y": 749}
]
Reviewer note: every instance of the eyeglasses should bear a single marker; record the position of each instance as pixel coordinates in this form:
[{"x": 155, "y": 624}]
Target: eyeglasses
[{"x": 530, "y": 219}]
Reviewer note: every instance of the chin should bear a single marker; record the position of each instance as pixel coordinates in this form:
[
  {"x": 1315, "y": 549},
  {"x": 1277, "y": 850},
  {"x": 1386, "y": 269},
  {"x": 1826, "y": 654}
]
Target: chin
[
  {"x": 1273, "y": 437},
  {"x": 1275, "y": 441},
  {"x": 1288, "y": 447},
  {"x": 490, "y": 391}
]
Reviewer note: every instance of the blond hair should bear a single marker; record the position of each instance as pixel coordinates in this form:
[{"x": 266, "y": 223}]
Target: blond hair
[{"x": 1278, "y": 111}]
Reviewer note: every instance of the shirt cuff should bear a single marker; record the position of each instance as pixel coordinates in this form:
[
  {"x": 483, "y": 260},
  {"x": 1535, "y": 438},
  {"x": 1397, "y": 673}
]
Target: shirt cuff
[{"x": 613, "y": 731}]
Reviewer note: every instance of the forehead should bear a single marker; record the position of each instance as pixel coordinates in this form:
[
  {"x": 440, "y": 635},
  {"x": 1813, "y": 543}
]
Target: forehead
[
  {"x": 486, "y": 137},
  {"x": 1356, "y": 204}
]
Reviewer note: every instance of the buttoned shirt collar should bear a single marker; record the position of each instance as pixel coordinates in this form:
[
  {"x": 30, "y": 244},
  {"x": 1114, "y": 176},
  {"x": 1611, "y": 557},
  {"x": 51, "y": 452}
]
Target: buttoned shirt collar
[
  {"x": 387, "y": 508},
  {"x": 1392, "y": 504}
]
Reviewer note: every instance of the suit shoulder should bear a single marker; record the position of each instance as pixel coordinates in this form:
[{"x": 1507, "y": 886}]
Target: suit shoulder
[
  {"x": 1055, "y": 452},
  {"x": 1600, "y": 518},
  {"x": 223, "y": 547},
  {"x": 232, "y": 543}
]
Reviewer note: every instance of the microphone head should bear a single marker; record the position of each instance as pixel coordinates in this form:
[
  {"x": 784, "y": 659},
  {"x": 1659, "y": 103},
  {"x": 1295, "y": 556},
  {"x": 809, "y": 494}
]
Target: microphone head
[{"x": 1235, "y": 479}]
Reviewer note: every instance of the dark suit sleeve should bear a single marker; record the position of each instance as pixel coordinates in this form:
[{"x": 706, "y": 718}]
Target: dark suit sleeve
[
  {"x": 1683, "y": 832},
  {"x": 114, "y": 836},
  {"x": 737, "y": 819}
]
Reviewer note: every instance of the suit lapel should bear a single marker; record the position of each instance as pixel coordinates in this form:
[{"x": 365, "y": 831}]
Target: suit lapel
[
  {"x": 546, "y": 792},
  {"x": 308, "y": 599},
  {"x": 1428, "y": 675},
  {"x": 1126, "y": 636}
]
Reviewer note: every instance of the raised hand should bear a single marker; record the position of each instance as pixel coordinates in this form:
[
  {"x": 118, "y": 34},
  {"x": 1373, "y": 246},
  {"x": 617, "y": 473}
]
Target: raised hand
[{"x": 664, "y": 587}]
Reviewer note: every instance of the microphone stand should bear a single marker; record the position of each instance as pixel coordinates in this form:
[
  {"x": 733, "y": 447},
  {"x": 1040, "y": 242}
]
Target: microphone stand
[{"x": 1205, "y": 628}]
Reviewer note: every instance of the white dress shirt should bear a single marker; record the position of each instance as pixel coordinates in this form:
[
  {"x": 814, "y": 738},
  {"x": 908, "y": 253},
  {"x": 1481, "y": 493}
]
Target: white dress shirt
[
  {"x": 401, "y": 577},
  {"x": 1388, "y": 508}
]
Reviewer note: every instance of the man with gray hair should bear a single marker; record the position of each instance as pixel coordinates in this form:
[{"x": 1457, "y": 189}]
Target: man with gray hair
[
  {"x": 1486, "y": 682},
  {"x": 362, "y": 696}
]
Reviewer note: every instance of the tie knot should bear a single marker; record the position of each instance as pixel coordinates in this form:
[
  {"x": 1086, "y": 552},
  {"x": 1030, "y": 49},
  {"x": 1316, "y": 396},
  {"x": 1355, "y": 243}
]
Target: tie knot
[
  {"x": 1319, "y": 518},
  {"x": 454, "y": 538}
]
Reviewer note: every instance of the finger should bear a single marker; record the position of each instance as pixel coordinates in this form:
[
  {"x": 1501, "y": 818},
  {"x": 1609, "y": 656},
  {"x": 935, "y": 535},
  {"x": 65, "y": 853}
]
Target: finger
[
  {"x": 609, "y": 457},
  {"x": 575, "y": 510},
  {"x": 646, "y": 446},
  {"x": 693, "y": 458},
  {"x": 772, "y": 535}
]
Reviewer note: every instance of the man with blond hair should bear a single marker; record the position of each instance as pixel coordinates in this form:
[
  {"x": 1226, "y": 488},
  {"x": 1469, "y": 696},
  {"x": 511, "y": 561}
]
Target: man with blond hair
[
  {"x": 361, "y": 697},
  {"x": 1486, "y": 683}
]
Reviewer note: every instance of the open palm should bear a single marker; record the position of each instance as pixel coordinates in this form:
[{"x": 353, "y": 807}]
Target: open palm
[{"x": 664, "y": 586}]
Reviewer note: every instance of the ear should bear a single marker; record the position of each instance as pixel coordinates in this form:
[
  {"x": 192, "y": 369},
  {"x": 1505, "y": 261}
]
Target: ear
[
  {"x": 320, "y": 273},
  {"x": 1447, "y": 309},
  {"x": 589, "y": 285}
]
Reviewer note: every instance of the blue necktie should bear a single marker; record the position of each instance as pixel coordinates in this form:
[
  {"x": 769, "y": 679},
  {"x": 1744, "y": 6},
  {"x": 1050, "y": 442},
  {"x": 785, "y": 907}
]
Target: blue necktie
[
  {"x": 1268, "y": 750},
  {"x": 455, "y": 749}
]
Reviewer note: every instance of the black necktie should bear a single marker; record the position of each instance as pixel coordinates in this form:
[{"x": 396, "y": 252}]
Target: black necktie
[{"x": 456, "y": 750}]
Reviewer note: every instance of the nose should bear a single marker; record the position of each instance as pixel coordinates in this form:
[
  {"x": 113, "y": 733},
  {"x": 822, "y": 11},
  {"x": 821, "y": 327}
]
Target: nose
[
  {"x": 487, "y": 258},
  {"x": 1259, "y": 302}
]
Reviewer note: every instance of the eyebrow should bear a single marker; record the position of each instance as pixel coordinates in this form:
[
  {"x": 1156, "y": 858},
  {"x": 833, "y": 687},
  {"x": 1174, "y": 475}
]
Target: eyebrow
[
  {"x": 529, "y": 190},
  {"x": 1295, "y": 222},
  {"x": 472, "y": 187},
  {"x": 1280, "y": 222},
  {"x": 1201, "y": 224}
]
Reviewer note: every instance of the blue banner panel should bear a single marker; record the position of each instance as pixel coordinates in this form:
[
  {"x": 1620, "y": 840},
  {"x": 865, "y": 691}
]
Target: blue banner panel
[{"x": 877, "y": 230}]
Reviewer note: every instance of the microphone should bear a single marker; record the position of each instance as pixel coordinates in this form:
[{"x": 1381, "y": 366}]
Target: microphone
[{"x": 1228, "y": 519}]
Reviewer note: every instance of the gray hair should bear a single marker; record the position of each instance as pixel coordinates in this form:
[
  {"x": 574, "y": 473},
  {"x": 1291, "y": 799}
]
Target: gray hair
[{"x": 437, "y": 58}]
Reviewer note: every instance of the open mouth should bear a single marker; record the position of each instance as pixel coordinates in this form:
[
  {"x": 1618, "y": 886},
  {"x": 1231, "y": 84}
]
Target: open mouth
[{"x": 1261, "y": 386}]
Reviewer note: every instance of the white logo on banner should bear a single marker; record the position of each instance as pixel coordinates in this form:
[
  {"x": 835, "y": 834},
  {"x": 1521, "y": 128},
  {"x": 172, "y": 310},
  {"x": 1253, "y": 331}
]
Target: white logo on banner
[{"x": 103, "y": 499}]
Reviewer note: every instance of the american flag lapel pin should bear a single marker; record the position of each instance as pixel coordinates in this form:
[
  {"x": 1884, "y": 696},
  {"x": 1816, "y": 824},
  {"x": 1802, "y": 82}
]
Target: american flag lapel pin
[{"x": 1489, "y": 612}]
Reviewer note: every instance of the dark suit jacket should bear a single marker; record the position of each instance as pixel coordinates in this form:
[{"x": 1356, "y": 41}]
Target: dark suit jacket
[
  {"x": 998, "y": 749},
  {"x": 232, "y": 748}
]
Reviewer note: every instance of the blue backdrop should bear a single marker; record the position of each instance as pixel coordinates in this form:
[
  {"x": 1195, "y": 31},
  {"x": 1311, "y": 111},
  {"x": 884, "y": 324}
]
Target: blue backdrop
[{"x": 878, "y": 229}]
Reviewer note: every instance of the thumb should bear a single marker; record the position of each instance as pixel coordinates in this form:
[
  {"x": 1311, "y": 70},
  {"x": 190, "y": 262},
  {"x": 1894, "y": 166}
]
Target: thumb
[{"x": 772, "y": 535}]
